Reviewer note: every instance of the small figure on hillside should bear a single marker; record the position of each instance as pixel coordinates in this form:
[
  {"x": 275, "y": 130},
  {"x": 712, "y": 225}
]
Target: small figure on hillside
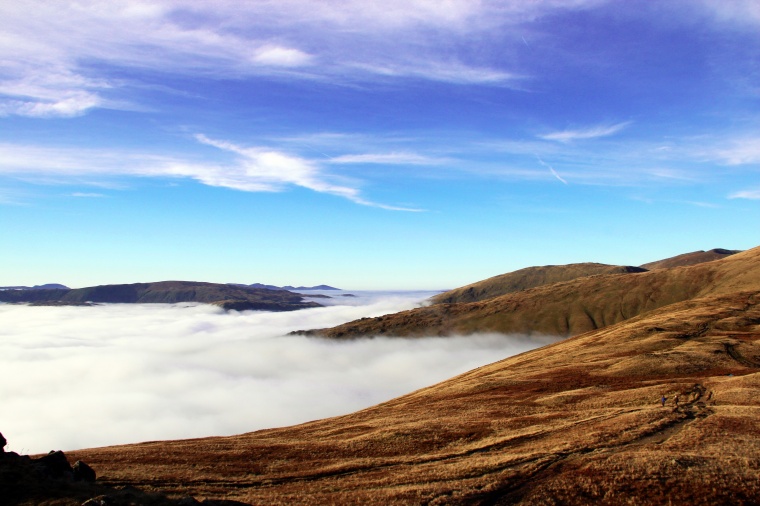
[
  {"x": 663, "y": 400},
  {"x": 675, "y": 399}
]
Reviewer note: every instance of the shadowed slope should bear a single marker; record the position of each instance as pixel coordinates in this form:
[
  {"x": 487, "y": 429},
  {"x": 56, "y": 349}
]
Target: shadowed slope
[
  {"x": 568, "y": 308},
  {"x": 524, "y": 279},
  {"x": 574, "y": 422}
]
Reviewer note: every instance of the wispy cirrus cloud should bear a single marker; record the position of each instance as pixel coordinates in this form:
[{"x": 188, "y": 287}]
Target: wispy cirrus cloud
[
  {"x": 56, "y": 62},
  {"x": 253, "y": 169},
  {"x": 746, "y": 194},
  {"x": 395, "y": 158},
  {"x": 261, "y": 169},
  {"x": 87, "y": 195},
  {"x": 740, "y": 151},
  {"x": 585, "y": 133},
  {"x": 743, "y": 12}
]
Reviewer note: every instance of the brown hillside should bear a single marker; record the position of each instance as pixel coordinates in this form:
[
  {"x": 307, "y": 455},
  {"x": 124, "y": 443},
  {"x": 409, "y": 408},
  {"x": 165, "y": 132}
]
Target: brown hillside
[
  {"x": 576, "y": 422},
  {"x": 693, "y": 258},
  {"x": 529, "y": 277},
  {"x": 569, "y": 308}
]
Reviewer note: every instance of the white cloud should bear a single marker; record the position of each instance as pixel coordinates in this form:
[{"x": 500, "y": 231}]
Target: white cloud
[
  {"x": 255, "y": 169},
  {"x": 177, "y": 371},
  {"x": 87, "y": 195},
  {"x": 56, "y": 55},
  {"x": 281, "y": 57},
  {"x": 267, "y": 170},
  {"x": 746, "y": 194},
  {"x": 585, "y": 133},
  {"x": 396, "y": 158},
  {"x": 741, "y": 151},
  {"x": 741, "y": 12}
]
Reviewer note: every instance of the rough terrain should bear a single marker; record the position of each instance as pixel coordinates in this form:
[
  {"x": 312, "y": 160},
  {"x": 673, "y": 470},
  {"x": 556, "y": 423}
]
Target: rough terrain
[
  {"x": 576, "y": 422},
  {"x": 658, "y": 407}
]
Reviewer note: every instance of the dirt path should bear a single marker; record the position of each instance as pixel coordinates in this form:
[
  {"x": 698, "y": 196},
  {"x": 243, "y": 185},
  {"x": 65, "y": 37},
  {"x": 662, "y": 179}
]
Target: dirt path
[
  {"x": 736, "y": 355},
  {"x": 692, "y": 408}
]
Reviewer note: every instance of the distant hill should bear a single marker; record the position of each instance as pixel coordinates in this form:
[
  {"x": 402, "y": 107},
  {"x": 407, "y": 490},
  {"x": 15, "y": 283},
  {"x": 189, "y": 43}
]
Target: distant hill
[
  {"x": 226, "y": 296},
  {"x": 290, "y": 288},
  {"x": 567, "y": 308},
  {"x": 524, "y": 279},
  {"x": 47, "y": 286},
  {"x": 307, "y": 288},
  {"x": 693, "y": 258}
]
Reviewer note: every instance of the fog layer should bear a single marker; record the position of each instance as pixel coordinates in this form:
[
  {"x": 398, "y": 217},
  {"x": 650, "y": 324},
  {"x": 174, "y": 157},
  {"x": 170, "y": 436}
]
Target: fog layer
[{"x": 79, "y": 377}]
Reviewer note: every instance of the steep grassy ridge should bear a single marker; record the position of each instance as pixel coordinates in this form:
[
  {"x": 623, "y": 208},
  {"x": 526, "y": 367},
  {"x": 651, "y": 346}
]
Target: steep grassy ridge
[{"x": 567, "y": 308}]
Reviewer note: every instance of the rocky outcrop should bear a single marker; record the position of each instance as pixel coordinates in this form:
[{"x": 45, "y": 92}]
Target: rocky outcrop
[{"x": 50, "y": 479}]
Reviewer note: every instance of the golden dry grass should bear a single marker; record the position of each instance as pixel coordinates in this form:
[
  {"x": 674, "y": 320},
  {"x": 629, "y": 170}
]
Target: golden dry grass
[
  {"x": 567, "y": 308},
  {"x": 575, "y": 422}
]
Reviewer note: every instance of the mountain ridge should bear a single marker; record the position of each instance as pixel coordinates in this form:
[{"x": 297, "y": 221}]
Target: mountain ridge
[
  {"x": 565, "y": 308},
  {"x": 166, "y": 292}
]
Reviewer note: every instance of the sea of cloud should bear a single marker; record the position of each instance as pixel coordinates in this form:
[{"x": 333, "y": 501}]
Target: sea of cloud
[{"x": 80, "y": 377}]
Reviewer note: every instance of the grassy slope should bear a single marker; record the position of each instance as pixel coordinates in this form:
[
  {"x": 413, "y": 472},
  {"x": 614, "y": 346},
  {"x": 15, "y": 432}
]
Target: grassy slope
[
  {"x": 575, "y": 422},
  {"x": 524, "y": 279},
  {"x": 693, "y": 258},
  {"x": 567, "y": 308}
]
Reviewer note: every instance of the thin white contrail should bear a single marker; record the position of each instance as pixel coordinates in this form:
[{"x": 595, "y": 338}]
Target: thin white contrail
[{"x": 554, "y": 172}]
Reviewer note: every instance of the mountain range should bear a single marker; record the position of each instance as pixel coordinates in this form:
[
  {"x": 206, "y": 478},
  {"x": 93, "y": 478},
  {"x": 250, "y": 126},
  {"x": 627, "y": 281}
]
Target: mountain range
[
  {"x": 46, "y": 286},
  {"x": 229, "y": 297},
  {"x": 651, "y": 399}
]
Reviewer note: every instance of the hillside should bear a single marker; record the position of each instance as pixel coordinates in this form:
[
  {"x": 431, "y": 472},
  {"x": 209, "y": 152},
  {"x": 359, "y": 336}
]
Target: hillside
[
  {"x": 524, "y": 279},
  {"x": 576, "y": 422},
  {"x": 693, "y": 258},
  {"x": 567, "y": 308},
  {"x": 226, "y": 296}
]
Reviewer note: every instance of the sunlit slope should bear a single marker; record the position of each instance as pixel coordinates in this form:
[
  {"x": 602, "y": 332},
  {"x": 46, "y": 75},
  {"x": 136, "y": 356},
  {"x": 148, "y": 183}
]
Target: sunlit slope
[
  {"x": 576, "y": 422},
  {"x": 693, "y": 258},
  {"x": 570, "y": 307},
  {"x": 524, "y": 279}
]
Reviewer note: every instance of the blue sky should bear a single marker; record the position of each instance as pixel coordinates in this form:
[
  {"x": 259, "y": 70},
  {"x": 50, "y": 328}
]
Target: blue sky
[{"x": 388, "y": 145}]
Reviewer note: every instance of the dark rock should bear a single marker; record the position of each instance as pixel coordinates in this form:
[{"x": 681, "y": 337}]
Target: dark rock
[
  {"x": 83, "y": 472},
  {"x": 55, "y": 465},
  {"x": 3, "y": 442},
  {"x": 102, "y": 500}
]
